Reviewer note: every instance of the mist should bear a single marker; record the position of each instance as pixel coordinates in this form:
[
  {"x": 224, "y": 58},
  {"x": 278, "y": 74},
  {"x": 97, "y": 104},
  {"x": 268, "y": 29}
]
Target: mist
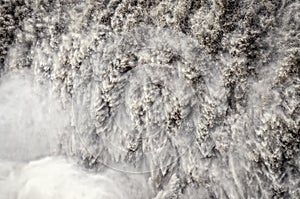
[
  {"x": 31, "y": 125},
  {"x": 30, "y": 118}
]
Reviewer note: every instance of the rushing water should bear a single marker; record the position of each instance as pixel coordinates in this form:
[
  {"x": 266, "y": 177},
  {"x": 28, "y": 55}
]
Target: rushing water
[{"x": 149, "y": 99}]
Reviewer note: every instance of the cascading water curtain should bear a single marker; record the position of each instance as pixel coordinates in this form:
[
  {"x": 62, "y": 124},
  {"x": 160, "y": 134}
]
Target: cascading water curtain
[{"x": 149, "y": 99}]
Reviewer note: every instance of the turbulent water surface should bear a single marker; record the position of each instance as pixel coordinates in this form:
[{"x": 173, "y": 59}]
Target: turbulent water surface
[{"x": 149, "y": 99}]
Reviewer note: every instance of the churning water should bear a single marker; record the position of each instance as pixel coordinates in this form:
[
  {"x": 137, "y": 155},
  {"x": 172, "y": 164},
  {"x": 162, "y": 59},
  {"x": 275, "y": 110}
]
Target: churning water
[{"x": 149, "y": 99}]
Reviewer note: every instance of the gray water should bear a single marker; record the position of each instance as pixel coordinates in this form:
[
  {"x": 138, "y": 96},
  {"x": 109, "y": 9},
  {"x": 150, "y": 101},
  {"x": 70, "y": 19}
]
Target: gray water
[{"x": 149, "y": 99}]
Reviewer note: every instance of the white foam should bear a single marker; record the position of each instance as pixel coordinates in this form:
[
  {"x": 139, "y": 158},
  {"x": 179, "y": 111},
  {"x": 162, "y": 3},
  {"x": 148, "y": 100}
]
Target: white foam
[{"x": 58, "y": 178}]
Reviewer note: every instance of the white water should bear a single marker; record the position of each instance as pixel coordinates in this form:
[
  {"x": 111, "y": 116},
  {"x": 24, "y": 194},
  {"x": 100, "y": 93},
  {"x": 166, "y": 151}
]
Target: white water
[
  {"x": 30, "y": 126},
  {"x": 58, "y": 178},
  {"x": 152, "y": 101}
]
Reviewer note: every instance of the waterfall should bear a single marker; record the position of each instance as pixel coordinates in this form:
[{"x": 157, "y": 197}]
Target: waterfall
[{"x": 149, "y": 99}]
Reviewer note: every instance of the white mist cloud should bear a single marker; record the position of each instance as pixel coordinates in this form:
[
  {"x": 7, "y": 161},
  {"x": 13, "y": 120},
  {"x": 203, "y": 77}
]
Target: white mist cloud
[
  {"x": 30, "y": 125},
  {"x": 30, "y": 121}
]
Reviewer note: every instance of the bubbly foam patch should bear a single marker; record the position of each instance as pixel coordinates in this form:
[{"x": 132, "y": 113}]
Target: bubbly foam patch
[{"x": 58, "y": 178}]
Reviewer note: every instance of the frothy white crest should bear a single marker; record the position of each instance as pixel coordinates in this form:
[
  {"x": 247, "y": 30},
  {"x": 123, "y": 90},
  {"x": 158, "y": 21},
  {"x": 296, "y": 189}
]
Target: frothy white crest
[{"x": 58, "y": 178}]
